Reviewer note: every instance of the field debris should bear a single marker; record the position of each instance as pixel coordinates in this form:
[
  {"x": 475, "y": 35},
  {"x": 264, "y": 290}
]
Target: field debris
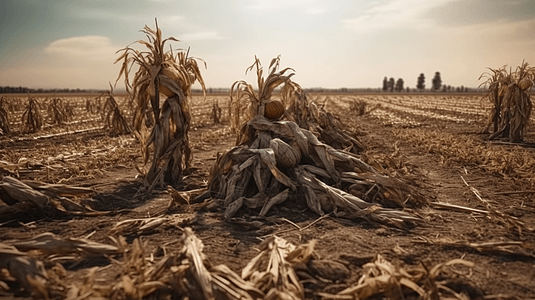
[
  {"x": 281, "y": 270},
  {"x": 382, "y": 277},
  {"x": 147, "y": 225},
  {"x": 32, "y": 196}
]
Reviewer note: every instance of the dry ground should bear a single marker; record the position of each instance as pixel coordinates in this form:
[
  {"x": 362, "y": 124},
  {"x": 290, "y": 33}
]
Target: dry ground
[{"x": 435, "y": 154}]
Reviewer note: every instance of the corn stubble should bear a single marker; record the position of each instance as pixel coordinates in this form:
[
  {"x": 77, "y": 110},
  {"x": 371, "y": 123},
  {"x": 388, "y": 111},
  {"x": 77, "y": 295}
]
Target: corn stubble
[
  {"x": 508, "y": 91},
  {"x": 173, "y": 75},
  {"x": 305, "y": 152}
]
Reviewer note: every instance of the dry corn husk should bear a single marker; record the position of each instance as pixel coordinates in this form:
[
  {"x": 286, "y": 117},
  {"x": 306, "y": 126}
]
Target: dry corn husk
[
  {"x": 525, "y": 84},
  {"x": 288, "y": 156}
]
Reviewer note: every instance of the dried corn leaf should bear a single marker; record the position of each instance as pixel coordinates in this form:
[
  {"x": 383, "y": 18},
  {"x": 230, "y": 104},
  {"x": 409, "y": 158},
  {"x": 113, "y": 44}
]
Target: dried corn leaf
[
  {"x": 22, "y": 192},
  {"x": 270, "y": 272},
  {"x": 382, "y": 277},
  {"x": 51, "y": 244},
  {"x": 145, "y": 225}
]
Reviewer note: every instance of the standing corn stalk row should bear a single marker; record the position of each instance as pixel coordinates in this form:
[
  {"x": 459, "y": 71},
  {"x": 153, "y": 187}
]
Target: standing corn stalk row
[
  {"x": 508, "y": 91},
  {"x": 161, "y": 71}
]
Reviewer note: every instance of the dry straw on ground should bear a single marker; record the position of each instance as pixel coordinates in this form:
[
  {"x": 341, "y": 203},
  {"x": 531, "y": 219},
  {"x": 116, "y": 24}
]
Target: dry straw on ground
[
  {"x": 280, "y": 270},
  {"x": 161, "y": 71}
]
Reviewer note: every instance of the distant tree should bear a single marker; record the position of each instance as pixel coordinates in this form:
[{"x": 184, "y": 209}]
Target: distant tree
[
  {"x": 444, "y": 88},
  {"x": 399, "y": 85},
  {"x": 437, "y": 81},
  {"x": 385, "y": 84},
  {"x": 391, "y": 84},
  {"x": 421, "y": 82},
  {"x": 408, "y": 89}
]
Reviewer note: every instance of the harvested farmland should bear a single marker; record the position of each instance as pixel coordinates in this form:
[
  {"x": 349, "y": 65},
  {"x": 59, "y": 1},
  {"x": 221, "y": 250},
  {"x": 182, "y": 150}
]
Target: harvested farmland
[{"x": 268, "y": 192}]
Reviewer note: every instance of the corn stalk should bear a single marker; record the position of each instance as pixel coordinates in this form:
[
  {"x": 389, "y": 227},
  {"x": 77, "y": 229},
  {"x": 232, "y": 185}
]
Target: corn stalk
[
  {"x": 160, "y": 70},
  {"x": 57, "y": 111},
  {"x": 508, "y": 91},
  {"x": 4, "y": 118},
  {"x": 114, "y": 120},
  {"x": 32, "y": 119}
]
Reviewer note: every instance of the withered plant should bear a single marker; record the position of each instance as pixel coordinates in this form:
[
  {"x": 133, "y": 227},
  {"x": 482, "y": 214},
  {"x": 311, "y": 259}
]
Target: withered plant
[
  {"x": 161, "y": 71},
  {"x": 32, "y": 119},
  {"x": 4, "y": 118},
  {"x": 114, "y": 121},
  {"x": 57, "y": 111},
  {"x": 508, "y": 91}
]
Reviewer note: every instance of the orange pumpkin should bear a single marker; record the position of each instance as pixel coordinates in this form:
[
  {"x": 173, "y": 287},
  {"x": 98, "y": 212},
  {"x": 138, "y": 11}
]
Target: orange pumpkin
[{"x": 274, "y": 109}]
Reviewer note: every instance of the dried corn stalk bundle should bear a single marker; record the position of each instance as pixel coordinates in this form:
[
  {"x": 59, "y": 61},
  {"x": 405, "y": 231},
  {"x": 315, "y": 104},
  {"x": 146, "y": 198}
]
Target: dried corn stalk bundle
[
  {"x": 172, "y": 75},
  {"x": 57, "y": 111},
  {"x": 278, "y": 160},
  {"x": 93, "y": 106},
  {"x": 4, "y": 118},
  {"x": 393, "y": 281},
  {"x": 32, "y": 196},
  {"x": 310, "y": 116},
  {"x": 32, "y": 119},
  {"x": 509, "y": 94},
  {"x": 114, "y": 121}
]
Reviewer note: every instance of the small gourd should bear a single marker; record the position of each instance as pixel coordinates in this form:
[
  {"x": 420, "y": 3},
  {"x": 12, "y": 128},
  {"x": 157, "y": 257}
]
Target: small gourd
[{"x": 274, "y": 109}]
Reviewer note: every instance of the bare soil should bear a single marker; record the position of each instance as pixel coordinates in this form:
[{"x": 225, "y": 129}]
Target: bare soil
[{"x": 496, "y": 274}]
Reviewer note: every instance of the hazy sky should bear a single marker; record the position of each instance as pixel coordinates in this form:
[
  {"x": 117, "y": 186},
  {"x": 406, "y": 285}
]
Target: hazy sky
[{"x": 329, "y": 43}]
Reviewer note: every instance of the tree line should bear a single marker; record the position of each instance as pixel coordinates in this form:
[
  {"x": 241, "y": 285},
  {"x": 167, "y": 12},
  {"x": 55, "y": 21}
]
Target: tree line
[
  {"x": 25, "y": 90},
  {"x": 391, "y": 85}
]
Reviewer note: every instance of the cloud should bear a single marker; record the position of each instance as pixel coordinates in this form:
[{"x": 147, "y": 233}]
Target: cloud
[
  {"x": 89, "y": 48},
  {"x": 395, "y": 14},
  {"x": 303, "y": 6},
  {"x": 201, "y": 36}
]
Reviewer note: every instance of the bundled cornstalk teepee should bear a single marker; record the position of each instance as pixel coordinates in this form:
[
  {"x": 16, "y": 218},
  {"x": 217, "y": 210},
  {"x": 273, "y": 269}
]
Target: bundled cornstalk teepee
[
  {"x": 279, "y": 156},
  {"x": 172, "y": 75},
  {"x": 508, "y": 92}
]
